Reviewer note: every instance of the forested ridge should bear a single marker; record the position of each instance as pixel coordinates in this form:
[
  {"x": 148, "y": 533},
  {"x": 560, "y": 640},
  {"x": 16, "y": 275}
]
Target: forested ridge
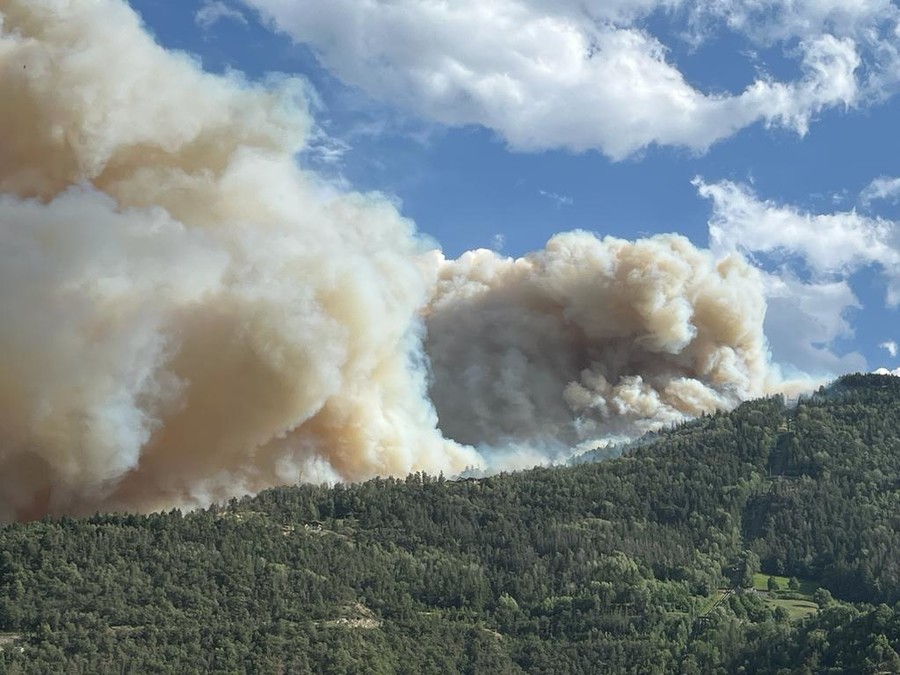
[{"x": 645, "y": 563}]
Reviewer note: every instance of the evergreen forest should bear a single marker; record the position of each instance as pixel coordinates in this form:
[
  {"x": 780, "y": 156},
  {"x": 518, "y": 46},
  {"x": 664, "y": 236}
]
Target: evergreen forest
[{"x": 763, "y": 540}]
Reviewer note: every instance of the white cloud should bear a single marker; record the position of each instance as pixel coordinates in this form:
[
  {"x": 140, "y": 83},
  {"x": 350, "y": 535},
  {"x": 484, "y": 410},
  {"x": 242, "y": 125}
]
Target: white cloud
[
  {"x": 832, "y": 245},
  {"x": 890, "y": 346},
  {"x": 558, "y": 199},
  {"x": 885, "y": 371},
  {"x": 769, "y": 21},
  {"x": 882, "y": 188},
  {"x": 326, "y": 149},
  {"x": 214, "y": 11},
  {"x": 804, "y": 319},
  {"x": 586, "y": 75},
  {"x": 498, "y": 241},
  {"x": 805, "y": 315}
]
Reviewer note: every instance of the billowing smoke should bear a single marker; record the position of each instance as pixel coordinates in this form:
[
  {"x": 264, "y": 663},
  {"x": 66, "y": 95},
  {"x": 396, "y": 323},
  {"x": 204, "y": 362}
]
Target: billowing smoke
[
  {"x": 184, "y": 313},
  {"x": 187, "y": 314},
  {"x": 592, "y": 338}
]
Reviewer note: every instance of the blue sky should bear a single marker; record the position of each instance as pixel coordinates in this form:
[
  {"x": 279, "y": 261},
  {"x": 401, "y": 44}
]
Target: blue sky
[{"x": 497, "y": 124}]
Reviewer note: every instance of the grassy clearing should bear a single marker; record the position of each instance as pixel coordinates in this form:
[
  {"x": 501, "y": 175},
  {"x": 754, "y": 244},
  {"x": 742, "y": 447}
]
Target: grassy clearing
[
  {"x": 797, "y": 604},
  {"x": 796, "y": 609},
  {"x": 761, "y": 583}
]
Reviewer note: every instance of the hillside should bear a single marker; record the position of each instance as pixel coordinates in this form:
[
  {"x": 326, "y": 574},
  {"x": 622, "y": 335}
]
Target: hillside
[{"x": 640, "y": 564}]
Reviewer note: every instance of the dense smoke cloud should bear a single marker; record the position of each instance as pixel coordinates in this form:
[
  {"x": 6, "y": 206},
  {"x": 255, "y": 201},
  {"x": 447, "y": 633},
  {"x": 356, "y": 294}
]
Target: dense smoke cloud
[
  {"x": 591, "y": 338},
  {"x": 186, "y": 314}
]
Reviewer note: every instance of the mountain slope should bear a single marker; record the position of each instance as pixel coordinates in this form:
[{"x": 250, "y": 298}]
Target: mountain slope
[{"x": 613, "y": 566}]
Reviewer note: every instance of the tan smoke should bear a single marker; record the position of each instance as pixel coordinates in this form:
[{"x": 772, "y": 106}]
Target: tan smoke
[
  {"x": 592, "y": 338},
  {"x": 186, "y": 314}
]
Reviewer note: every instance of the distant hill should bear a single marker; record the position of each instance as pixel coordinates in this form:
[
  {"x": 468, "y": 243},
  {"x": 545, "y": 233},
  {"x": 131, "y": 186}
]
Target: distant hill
[{"x": 658, "y": 561}]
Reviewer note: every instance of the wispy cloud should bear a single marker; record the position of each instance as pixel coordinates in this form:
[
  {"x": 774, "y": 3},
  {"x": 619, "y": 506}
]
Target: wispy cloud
[
  {"x": 558, "y": 199},
  {"x": 498, "y": 241},
  {"x": 214, "y": 11},
  {"x": 890, "y": 346},
  {"x": 327, "y": 149},
  {"x": 882, "y": 188}
]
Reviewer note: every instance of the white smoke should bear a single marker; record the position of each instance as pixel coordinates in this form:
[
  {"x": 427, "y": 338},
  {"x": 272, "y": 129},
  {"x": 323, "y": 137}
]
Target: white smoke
[{"x": 186, "y": 314}]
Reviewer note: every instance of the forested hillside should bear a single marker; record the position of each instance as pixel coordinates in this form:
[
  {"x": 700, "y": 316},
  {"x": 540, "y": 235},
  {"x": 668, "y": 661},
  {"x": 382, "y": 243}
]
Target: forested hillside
[{"x": 641, "y": 564}]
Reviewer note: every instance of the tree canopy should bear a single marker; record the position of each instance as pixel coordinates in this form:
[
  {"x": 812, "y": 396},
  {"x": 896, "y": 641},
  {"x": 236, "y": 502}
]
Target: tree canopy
[{"x": 646, "y": 563}]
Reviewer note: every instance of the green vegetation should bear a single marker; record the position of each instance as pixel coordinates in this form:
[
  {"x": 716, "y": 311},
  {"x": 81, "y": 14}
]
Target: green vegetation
[
  {"x": 796, "y": 609},
  {"x": 761, "y": 581},
  {"x": 795, "y": 596},
  {"x": 610, "y": 567}
]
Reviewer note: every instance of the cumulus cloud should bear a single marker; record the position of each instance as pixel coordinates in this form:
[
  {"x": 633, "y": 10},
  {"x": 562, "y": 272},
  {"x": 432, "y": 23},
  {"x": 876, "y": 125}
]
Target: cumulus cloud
[
  {"x": 805, "y": 316},
  {"x": 890, "y": 347},
  {"x": 832, "y": 244},
  {"x": 803, "y": 321},
  {"x": 187, "y": 314},
  {"x": 589, "y": 75}
]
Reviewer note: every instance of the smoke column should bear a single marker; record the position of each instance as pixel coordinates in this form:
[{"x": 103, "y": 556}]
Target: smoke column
[{"x": 187, "y": 314}]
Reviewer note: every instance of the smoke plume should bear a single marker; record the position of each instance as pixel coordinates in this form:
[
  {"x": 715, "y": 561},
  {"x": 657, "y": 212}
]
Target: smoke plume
[
  {"x": 592, "y": 338},
  {"x": 187, "y": 314}
]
